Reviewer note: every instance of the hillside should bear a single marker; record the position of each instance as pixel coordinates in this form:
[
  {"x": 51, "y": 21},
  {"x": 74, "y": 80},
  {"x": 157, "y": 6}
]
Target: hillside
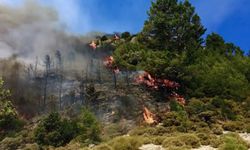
[{"x": 167, "y": 87}]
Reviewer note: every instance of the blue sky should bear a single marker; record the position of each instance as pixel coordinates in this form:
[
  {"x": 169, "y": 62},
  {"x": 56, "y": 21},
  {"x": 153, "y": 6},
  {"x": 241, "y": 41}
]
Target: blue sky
[{"x": 230, "y": 18}]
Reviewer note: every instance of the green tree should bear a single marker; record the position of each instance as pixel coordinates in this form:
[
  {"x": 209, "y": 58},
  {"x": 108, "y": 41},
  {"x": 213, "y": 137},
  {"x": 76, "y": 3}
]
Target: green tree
[
  {"x": 9, "y": 121},
  {"x": 55, "y": 131},
  {"x": 172, "y": 26},
  {"x": 130, "y": 56},
  {"x": 125, "y": 35},
  {"x": 216, "y": 43},
  {"x": 90, "y": 129}
]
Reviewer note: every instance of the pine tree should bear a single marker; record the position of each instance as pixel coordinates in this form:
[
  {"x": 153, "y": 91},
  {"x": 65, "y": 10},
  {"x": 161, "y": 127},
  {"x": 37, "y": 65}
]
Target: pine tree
[{"x": 172, "y": 26}]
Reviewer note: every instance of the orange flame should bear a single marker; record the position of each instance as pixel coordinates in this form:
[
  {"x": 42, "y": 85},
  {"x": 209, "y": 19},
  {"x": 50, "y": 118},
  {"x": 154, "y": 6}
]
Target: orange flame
[
  {"x": 180, "y": 99},
  {"x": 148, "y": 80},
  {"x": 148, "y": 116},
  {"x": 116, "y": 70},
  {"x": 93, "y": 45},
  {"x": 108, "y": 62},
  {"x": 116, "y": 37}
]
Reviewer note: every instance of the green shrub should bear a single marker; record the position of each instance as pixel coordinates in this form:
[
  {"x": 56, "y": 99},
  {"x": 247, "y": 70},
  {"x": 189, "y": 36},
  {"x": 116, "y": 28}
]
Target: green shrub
[
  {"x": 128, "y": 143},
  {"x": 173, "y": 119},
  {"x": 195, "y": 106},
  {"x": 150, "y": 131},
  {"x": 90, "y": 129},
  {"x": 104, "y": 38},
  {"x": 233, "y": 126},
  {"x": 190, "y": 140},
  {"x": 11, "y": 143},
  {"x": 228, "y": 113},
  {"x": 55, "y": 131},
  {"x": 173, "y": 141},
  {"x": 233, "y": 142},
  {"x": 208, "y": 116},
  {"x": 31, "y": 147},
  {"x": 175, "y": 106},
  {"x": 204, "y": 138},
  {"x": 217, "y": 129},
  {"x": 218, "y": 102},
  {"x": 159, "y": 140},
  {"x": 125, "y": 35},
  {"x": 103, "y": 147},
  {"x": 248, "y": 128},
  {"x": 215, "y": 141},
  {"x": 9, "y": 120}
]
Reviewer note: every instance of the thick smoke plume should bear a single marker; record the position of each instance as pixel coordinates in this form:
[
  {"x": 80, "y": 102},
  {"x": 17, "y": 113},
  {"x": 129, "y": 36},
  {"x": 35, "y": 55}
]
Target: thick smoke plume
[{"x": 32, "y": 30}]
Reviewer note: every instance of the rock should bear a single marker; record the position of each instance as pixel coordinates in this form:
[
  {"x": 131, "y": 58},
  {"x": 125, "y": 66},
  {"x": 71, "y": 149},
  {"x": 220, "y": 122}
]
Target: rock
[
  {"x": 205, "y": 148},
  {"x": 151, "y": 147},
  {"x": 245, "y": 136},
  {"x": 31, "y": 147}
]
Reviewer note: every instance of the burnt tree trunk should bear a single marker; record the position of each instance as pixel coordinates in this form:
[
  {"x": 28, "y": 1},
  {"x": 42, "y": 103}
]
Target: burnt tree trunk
[
  {"x": 115, "y": 79},
  {"x": 99, "y": 76},
  {"x": 127, "y": 77},
  {"x": 47, "y": 70}
]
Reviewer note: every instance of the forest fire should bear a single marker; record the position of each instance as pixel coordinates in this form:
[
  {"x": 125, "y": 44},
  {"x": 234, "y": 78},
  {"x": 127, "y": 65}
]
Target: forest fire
[
  {"x": 108, "y": 62},
  {"x": 155, "y": 84},
  {"x": 180, "y": 99},
  {"x": 116, "y": 37},
  {"x": 148, "y": 80},
  {"x": 148, "y": 116},
  {"x": 93, "y": 45}
]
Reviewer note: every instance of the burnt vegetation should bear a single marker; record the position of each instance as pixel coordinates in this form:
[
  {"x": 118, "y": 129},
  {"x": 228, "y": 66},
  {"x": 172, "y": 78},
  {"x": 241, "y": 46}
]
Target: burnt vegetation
[{"x": 167, "y": 85}]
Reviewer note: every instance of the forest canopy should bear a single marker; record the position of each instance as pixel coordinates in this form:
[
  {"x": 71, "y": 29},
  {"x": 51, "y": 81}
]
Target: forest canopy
[{"x": 172, "y": 45}]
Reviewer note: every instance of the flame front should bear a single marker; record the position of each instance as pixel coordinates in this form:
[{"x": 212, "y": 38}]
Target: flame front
[
  {"x": 108, "y": 62},
  {"x": 151, "y": 82},
  {"x": 93, "y": 45},
  {"x": 148, "y": 116},
  {"x": 116, "y": 37},
  {"x": 180, "y": 99}
]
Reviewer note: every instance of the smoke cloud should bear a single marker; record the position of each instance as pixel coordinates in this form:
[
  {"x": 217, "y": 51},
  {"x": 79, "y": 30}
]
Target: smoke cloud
[{"x": 31, "y": 30}]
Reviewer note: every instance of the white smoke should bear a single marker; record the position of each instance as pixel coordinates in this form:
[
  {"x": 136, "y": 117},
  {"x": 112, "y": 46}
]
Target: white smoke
[{"x": 31, "y": 30}]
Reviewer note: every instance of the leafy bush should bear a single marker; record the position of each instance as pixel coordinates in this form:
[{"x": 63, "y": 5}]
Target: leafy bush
[
  {"x": 177, "y": 119},
  {"x": 182, "y": 140},
  {"x": 90, "y": 129},
  {"x": 217, "y": 129},
  {"x": 125, "y": 35},
  {"x": 195, "y": 106},
  {"x": 233, "y": 126},
  {"x": 173, "y": 119},
  {"x": 248, "y": 128},
  {"x": 150, "y": 131},
  {"x": 10, "y": 143},
  {"x": 55, "y": 131},
  {"x": 128, "y": 143},
  {"x": 9, "y": 121},
  {"x": 233, "y": 142},
  {"x": 8, "y": 117},
  {"x": 208, "y": 116},
  {"x": 103, "y": 147}
]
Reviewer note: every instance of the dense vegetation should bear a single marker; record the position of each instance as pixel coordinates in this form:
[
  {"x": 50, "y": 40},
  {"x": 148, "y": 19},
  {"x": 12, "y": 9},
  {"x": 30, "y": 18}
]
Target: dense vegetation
[
  {"x": 171, "y": 46},
  {"x": 214, "y": 78}
]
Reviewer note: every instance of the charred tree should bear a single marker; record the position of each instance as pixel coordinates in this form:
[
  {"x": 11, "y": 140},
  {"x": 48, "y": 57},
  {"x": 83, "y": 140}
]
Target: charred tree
[
  {"x": 127, "y": 77},
  {"x": 99, "y": 76},
  {"x": 115, "y": 79},
  {"x": 82, "y": 90},
  {"x": 47, "y": 63},
  {"x": 59, "y": 67}
]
